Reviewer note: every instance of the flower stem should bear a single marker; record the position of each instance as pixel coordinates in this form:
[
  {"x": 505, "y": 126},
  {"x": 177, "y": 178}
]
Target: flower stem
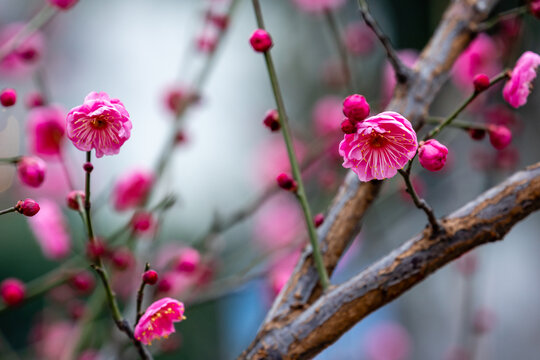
[
  {"x": 300, "y": 193},
  {"x": 488, "y": 24},
  {"x": 140, "y": 294},
  {"x": 12, "y": 160},
  {"x": 499, "y": 77},
  {"x": 7, "y": 211},
  {"x": 38, "y": 21},
  {"x": 332, "y": 22},
  {"x": 420, "y": 203},
  {"x": 461, "y": 124}
]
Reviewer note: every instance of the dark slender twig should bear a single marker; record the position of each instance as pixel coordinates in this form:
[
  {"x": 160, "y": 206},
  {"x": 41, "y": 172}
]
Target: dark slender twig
[
  {"x": 401, "y": 70},
  {"x": 8, "y": 210},
  {"x": 140, "y": 295},
  {"x": 332, "y": 22},
  {"x": 420, "y": 203},
  {"x": 505, "y": 15}
]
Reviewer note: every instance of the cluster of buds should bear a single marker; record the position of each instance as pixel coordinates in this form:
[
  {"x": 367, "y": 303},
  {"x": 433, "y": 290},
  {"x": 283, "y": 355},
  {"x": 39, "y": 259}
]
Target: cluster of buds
[{"x": 355, "y": 109}]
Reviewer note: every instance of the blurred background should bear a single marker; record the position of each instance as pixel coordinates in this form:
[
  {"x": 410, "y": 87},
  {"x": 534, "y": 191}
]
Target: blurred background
[{"x": 224, "y": 163}]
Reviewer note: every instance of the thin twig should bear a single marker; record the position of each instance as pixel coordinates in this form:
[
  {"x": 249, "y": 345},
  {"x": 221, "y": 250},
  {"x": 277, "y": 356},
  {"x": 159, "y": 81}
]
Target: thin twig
[
  {"x": 140, "y": 295},
  {"x": 300, "y": 193},
  {"x": 7, "y": 211},
  {"x": 401, "y": 70},
  {"x": 505, "y": 15},
  {"x": 420, "y": 203},
  {"x": 332, "y": 22}
]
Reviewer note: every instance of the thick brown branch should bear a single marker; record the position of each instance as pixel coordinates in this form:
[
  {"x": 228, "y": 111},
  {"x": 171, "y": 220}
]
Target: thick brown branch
[{"x": 486, "y": 219}]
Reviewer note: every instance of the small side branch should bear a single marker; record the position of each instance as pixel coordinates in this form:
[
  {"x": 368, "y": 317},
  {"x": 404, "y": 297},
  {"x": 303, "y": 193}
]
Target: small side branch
[{"x": 401, "y": 70}]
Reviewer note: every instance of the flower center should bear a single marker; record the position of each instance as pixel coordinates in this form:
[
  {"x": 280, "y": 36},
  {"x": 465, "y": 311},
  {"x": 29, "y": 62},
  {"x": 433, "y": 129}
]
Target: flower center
[
  {"x": 377, "y": 140},
  {"x": 99, "y": 122}
]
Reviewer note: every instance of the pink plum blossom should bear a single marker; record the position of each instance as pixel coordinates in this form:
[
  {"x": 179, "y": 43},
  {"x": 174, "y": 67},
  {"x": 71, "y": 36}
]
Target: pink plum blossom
[
  {"x": 158, "y": 320},
  {"x": 388, "y": 341},
  {"x": 318, "y": 6},
  {"x": 100, "y": 123},
  {"x": 327, "y": 115},
  {"x": 188, "y": 260},
  {"x": 517, "y": 89},
  {"x": 25, "y": 57},
  {"x": 132, "y": 189},
  {"x": 481, "y": 56},
  {"x": 380, "y": 147},
  {"x": 46, "y": 129},
  {"x": 50, "y": 230},
  {"x": 432, "y": 155}
]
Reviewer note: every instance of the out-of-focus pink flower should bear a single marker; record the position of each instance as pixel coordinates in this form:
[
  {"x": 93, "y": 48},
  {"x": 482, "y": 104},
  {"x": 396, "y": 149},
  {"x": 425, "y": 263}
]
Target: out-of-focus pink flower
[
  {"x": 327, "y": 115},
  {"x": 12, "y": 291},
  {"x": 122, "y": 258},
  {"x": 63, "y": 4},
  {"x": 83, "y": 281},
  {"x": 467, "y": 264},
  {"x": 56, "y": 340},
  {"x": 484, "y": 320},
  {"x": 207, "y": 41},
  {"x": 481, "y": 56},
  {"x": 318, "y": 6},
  {"x": 534, "y": 8},
  {"x": 507, "y": 159},
  {"x": 25, "y": 57},
  {"x": 388, "y": 341},
  {"x": 72, "y": 199},
  {"x": 359, "y": 38},
  {"x": 432, "y": 155},
  {"x": 380, "y": 147},
  {"x": 132, "y": 189},
  {"x": 8, "y": 97},
  {"x": 50, "y": 230},
  {"x": 188, "y": 261},
  {"x": 31, "y": 171},
  {"x": 408, "y": 57},
  {"x": 158, "y": 320},
  {"x": 518, "y": 87},
  {"x": 281, "y": 269},
  {"x": 143, "y": 222},
  {"x": 177, "y": 97},
  {"x": 46, "y": 128},
  {"x": 100, "y": 123},
  {"x": 89, "y": 355},
  {"x": 34, "y": 99},
  {"x": 221, "y": 21},
  {"x": 28, "y": 207},
  {"x": 276, "y": 159},
  {"x": 499, "y": 136},
  {"x": 277, "y": 223}
]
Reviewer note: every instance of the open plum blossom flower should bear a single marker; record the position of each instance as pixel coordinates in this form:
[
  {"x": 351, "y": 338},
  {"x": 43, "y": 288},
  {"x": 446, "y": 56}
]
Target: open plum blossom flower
[
  {"x": 100, "y": 123},
  {"x": 158, "y": 320},
  {"x": 132, "y": 189},
  {"x": 318, "y": 6},
  {"x": 380, "y": 147},
  {"x": 517, "y": 89},
  {"x": 46, "y": 128},
  {"x": 50, "y": 230}
]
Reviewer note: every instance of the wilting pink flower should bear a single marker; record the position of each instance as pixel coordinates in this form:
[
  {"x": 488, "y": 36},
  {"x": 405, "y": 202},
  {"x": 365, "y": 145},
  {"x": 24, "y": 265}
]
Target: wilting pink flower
[
  {"x": 31, "y": 171},
  {"x": 188, "y": 261},
  {"x": 318, "y": 6},
  {"x": 499, "y": 136},
  {"x": 481, "y": 56},
  {"x": 517, "y": 89},
  {"x": 8, "y": 97},
  {"x": 158, "y": 320},
  {"x": 100, "y": 123},
  {"x": 388, "y": 341},
  {"x": 25, "y": 57},
  {"x": 408, "y": 57},
  {"x": 327, "y": 115},
  {"x": 380, "y": 147},
  {"x": 63, "y": 4},
  {"x": 432, "y": 155},
  {"x": 359, "y": 38},
  {"x": 46, "y": 128},
  {"x": 12, "y": 291},
  {"x": 28, "y": 207},
  {"x": 50, "y": 230},
  {"x": 132, "y": 189},
  {"x": 278, "y": 223}
]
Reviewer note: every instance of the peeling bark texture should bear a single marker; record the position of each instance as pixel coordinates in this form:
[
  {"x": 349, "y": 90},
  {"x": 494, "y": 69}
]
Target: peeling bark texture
[
  {"x": 412, "y": 99},
  {"x": 486, "y": 219}
]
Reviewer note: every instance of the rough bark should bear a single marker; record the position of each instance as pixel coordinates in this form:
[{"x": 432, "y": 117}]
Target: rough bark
[
  {"x": 486, "y": 219},
  {"x": 412, "y": 99}
]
